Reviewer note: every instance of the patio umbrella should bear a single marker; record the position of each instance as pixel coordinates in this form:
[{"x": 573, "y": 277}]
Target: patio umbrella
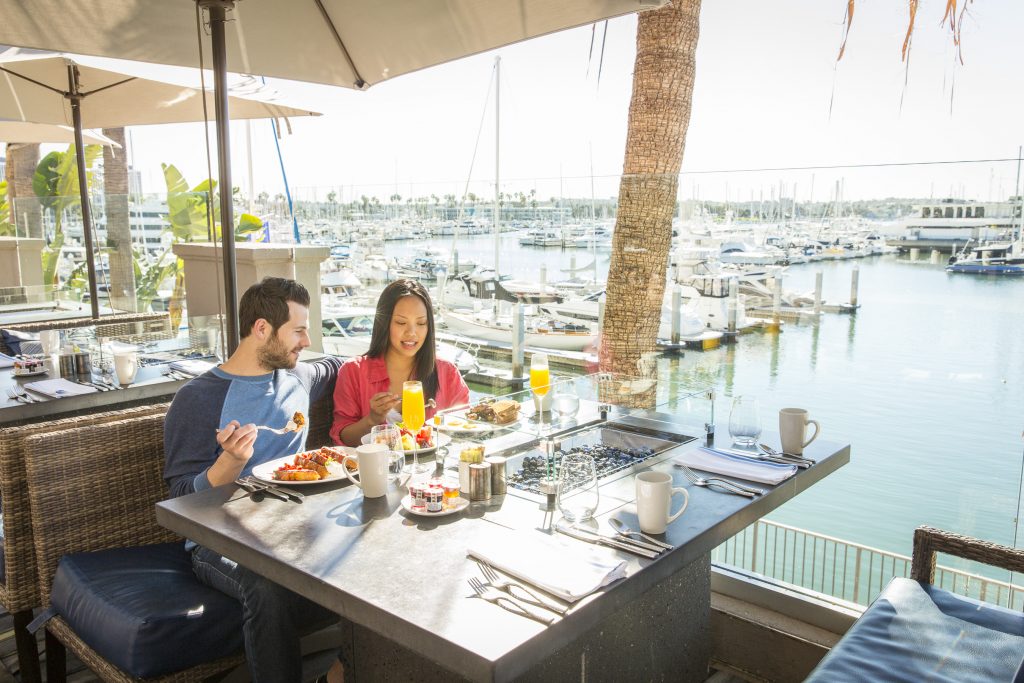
[
  {"x": 56, "y": 89},
  {"x": 31, "y": 133},
  {"x": 351, "y": 43}
]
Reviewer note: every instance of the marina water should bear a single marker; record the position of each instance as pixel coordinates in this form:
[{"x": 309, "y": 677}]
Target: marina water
[{"x": 925, "y": 381}]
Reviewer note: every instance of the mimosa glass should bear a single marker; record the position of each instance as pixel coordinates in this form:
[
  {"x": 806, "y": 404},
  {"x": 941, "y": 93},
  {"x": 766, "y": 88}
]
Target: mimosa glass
[{"x": 413, "y": 417}]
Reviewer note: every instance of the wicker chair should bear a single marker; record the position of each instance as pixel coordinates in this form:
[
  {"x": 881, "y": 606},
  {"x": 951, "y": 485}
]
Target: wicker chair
[
  {"x": 106, "y": 326},
  {"x": 101, "y": 496},
  {"x": 915, "y": 631},
  {"x": 19, "y": 589}
]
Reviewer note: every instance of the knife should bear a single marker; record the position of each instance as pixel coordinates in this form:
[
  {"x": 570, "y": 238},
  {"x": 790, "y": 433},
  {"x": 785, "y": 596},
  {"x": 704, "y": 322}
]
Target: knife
[
  {"x": 802, "y": 464},
  {"x": 646, "y": 545},
  {"x": 579, "y": 535},
  {"x": 251, "y": 487},
  {"x": 280, "y": 491}
]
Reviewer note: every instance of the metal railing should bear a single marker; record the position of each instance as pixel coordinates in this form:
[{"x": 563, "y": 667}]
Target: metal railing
[{"x": 843, "y": 569}]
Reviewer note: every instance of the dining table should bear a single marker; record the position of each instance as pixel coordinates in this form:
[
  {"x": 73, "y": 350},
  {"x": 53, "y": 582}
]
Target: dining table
[{"x": 401, "y": 581}]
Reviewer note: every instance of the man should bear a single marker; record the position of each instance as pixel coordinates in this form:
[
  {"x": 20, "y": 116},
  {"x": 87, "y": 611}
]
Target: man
[{"x": 210, "y": 439}]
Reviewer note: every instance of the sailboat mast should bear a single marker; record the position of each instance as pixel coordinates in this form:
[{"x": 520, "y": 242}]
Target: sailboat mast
[{"x": 497, "y": 163}]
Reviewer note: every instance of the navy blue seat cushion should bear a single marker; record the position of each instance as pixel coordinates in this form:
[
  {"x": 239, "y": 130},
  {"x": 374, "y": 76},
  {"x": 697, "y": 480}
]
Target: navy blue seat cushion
[
  {"x": 915, "y": 632},
  {"x": 13, "y": 339},
  {"x": 143, "y": 609}
]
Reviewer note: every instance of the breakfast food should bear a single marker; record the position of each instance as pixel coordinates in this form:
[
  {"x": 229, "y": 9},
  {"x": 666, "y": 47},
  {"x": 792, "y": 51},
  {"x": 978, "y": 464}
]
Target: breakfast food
[
  {"x": 309, "y": 466},
  {"x": 499, "y": 412},
  {"x": 299, "y": 419},
  {"x": 27, "y": 366},
  {"x": 424, "y": 438}
]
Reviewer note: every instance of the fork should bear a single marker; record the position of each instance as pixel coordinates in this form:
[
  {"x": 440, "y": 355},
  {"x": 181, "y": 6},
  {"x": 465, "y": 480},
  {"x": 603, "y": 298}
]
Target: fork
[
  {"x": 20, "y": 394},
  {"x": 14, "y": 396},
  {"x": 788, "y": 456},
  {"x": 494, "y": 580},
  {"x": 727, "y": 485},
  {"x": 505, "y": 602}
]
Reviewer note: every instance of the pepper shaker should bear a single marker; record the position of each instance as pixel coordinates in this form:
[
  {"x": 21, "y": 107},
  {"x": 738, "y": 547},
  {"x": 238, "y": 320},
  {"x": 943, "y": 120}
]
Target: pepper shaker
[
  {"x": 498, "y": 480},
  {"x": 480, "y": 481}
]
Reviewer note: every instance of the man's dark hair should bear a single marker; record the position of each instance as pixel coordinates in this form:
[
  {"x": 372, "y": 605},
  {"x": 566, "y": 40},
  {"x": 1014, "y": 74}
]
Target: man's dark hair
[{"x": 269, "y": 300}]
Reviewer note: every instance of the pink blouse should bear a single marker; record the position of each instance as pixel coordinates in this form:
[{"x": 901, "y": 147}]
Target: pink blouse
[{"x": 360, "y": 378}]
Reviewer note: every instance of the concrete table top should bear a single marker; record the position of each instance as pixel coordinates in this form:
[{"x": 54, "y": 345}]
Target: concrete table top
[{"x": 405, "y": 576}]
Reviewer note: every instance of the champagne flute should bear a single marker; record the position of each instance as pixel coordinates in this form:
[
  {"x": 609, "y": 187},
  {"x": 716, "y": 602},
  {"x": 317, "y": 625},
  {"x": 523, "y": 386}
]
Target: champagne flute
[
  {"x": 540, "y": 382},
  {"x": 413, "y": 416}
]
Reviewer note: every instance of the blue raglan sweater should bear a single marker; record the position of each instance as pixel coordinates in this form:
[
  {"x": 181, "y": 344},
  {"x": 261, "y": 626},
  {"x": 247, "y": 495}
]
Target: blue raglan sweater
[{"x": 212, "y": 400}]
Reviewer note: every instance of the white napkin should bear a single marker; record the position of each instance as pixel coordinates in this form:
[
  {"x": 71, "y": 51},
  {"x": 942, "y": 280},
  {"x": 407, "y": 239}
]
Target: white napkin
[
  {"x": 730, "y": 465},
  {"x": 540, "y": 560},
  {"x": 191, "y": 367},
  {"x": 59, "y": 388},
  {"x": 6, "y": 361}
]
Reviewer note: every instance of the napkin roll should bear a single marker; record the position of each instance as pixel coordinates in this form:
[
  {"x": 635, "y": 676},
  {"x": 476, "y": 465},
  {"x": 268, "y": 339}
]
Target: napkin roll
[{"x": 718, "y": 462}]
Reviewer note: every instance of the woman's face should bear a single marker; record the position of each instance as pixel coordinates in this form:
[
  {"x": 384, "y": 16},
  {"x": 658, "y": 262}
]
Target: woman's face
[{"x": 408, "y": 326}]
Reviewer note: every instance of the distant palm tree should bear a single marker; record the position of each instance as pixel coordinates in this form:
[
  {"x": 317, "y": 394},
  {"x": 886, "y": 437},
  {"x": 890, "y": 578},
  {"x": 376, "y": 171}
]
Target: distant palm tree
[
  {"x": 659, "y": 114},
  {"x": 26, "y": 213},
  {"x": 119, "y": 232}
]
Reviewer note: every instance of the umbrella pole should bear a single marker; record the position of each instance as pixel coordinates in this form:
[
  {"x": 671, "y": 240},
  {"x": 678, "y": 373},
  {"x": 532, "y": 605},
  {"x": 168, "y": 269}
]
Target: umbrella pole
[
  {"x": 83, "y": 186},
  {"x": 218, "y": 11}
]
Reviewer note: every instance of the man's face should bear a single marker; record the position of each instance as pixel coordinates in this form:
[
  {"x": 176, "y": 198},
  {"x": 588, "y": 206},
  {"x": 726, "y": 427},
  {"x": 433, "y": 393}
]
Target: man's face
[{"x": 281, "y": 350}]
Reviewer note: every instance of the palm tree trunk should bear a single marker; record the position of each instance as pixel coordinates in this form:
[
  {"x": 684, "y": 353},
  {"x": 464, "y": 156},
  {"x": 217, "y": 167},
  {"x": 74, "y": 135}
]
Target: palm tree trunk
[
  {"x": 25, "y": 208},
  {"x": 119, "y": 233},
  {"x": 659, "y": 114}
]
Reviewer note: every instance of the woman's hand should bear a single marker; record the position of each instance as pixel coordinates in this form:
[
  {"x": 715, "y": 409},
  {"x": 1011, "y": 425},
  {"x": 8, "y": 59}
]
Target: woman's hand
[{"x": 380, "y": 405}]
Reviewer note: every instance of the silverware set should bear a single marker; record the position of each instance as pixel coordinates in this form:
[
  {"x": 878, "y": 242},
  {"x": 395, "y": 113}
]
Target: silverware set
[
  {"x": 726, "y": 485},
  {"x": 620, "y": 542},
  {"x": 258, "y": 490},
  {"x": 99, "y": 383},
  {"x": 514, "y": 596},
  {"x": 622, "y": 530},
  {"x": 18, "y": 393},
  {"x": 177, "y": 374}
]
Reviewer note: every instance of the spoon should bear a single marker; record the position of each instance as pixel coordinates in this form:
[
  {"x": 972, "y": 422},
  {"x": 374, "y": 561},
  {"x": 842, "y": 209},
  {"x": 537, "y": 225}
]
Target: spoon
[{"x": 622, "y": 530}]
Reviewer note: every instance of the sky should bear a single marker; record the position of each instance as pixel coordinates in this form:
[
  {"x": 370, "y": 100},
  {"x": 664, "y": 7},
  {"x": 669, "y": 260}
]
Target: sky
[{"x": 769, "y": 94}]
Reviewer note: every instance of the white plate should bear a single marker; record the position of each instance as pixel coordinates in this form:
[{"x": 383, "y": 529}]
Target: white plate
[
  {"x": 265, "y": 472},
  {"x": 21, "y": 373},
  {"x": 461, "y": 426},
  {"x": 439, "y": 440},
  {"x": 460, "y": 505}
]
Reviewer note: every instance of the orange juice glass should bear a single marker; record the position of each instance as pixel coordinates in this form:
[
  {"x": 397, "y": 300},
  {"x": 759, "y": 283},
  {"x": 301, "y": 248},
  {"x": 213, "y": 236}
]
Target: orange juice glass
[
  {"x": 413, "y": 413},
  {"x": 540, "y": 375}
]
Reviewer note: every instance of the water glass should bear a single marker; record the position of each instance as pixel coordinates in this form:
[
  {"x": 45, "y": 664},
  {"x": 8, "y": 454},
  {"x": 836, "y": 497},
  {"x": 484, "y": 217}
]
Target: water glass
[
  {"x": 390, "y": 436},
  {"x": 565, "y": 404},
  {"x": 745, "y": 421},
  {"x": 577, "y": 495}
]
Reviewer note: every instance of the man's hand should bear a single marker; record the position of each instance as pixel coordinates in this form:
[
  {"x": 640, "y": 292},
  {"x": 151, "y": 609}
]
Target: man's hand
[
  {"x": 380, "y": 404},
  {"x": 237, "y": 441}
]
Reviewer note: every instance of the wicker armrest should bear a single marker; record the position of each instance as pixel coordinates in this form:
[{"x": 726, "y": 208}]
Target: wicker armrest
[
  {"x": 928, "y": 541},
  {"x": 95, "y": 488},
  {"x": 20, "y": 589}
]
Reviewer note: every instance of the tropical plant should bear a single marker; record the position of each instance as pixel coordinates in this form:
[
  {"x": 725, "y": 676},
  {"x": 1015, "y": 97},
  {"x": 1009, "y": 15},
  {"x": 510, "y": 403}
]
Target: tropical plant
[
  {"x": 55, "y": 182},
  {"x": 6, "y": 226}
]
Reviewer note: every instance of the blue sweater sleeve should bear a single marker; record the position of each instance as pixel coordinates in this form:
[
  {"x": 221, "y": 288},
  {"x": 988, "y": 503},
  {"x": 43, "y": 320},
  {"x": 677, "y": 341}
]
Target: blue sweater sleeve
[{"x": 190, "y": 443}]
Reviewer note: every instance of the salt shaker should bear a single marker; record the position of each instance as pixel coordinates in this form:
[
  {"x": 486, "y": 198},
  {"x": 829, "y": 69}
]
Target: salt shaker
[
  {"x": 498, "y": 481},
  {"x": 480, "y": 481}
]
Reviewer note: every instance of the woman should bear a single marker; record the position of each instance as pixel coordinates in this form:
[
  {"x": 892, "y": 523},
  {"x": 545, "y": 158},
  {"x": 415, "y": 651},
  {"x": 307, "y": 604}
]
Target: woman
[{"x": 401, "y": 349}]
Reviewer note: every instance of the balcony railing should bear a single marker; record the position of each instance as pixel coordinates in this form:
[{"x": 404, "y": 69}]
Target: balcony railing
[{"x": 845, "y": 570}]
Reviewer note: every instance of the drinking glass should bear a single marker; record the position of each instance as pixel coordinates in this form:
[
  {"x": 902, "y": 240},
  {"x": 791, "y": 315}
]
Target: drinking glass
[
  {"x": 565, "y": 403},
  {"x": 577, "y": 495},
  {"x": 745, "y": 421},
  {"x": 413, "y": 417},
  {"x": 390, "y": 436},
  {"x": 540, "y": 382}
]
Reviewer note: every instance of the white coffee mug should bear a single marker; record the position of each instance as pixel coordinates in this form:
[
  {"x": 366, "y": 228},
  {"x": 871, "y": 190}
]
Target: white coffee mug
[
  {"x": 793, "y": 428},
  {"x": 126, "y": 364},
  {"x": 374, "y": 460},
  {"x": 654, "y": 493}
]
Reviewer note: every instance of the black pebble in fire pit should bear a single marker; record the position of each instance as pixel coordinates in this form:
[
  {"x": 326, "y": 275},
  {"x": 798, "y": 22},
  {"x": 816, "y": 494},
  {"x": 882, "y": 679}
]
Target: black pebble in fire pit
[{"x": 607, "y": 460}]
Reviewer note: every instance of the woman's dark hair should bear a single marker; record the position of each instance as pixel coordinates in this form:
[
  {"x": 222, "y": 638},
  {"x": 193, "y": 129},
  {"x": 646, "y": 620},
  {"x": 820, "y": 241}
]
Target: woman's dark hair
[
  {"x": 269, "y": 299},
  {"x": 425, "y": 365}
]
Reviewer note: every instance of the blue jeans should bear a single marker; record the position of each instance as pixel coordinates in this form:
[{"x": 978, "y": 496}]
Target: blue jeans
[{"x": 273, "y": 617}]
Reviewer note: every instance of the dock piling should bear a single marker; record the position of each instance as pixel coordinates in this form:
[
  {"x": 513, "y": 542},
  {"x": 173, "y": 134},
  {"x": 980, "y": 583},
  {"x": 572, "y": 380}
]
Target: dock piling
[
  {"x": 854, "y": 283},
  {"x": 936, "y": 254},
  {"x": 776, "y": 324},
  {"x": 677, "y": 300},
  {"x": 518, "y": 340},
  {"x": 819, "y": 277},
  {"x": 914, "y": 253},
  {"x": 732, "y": 306}
]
